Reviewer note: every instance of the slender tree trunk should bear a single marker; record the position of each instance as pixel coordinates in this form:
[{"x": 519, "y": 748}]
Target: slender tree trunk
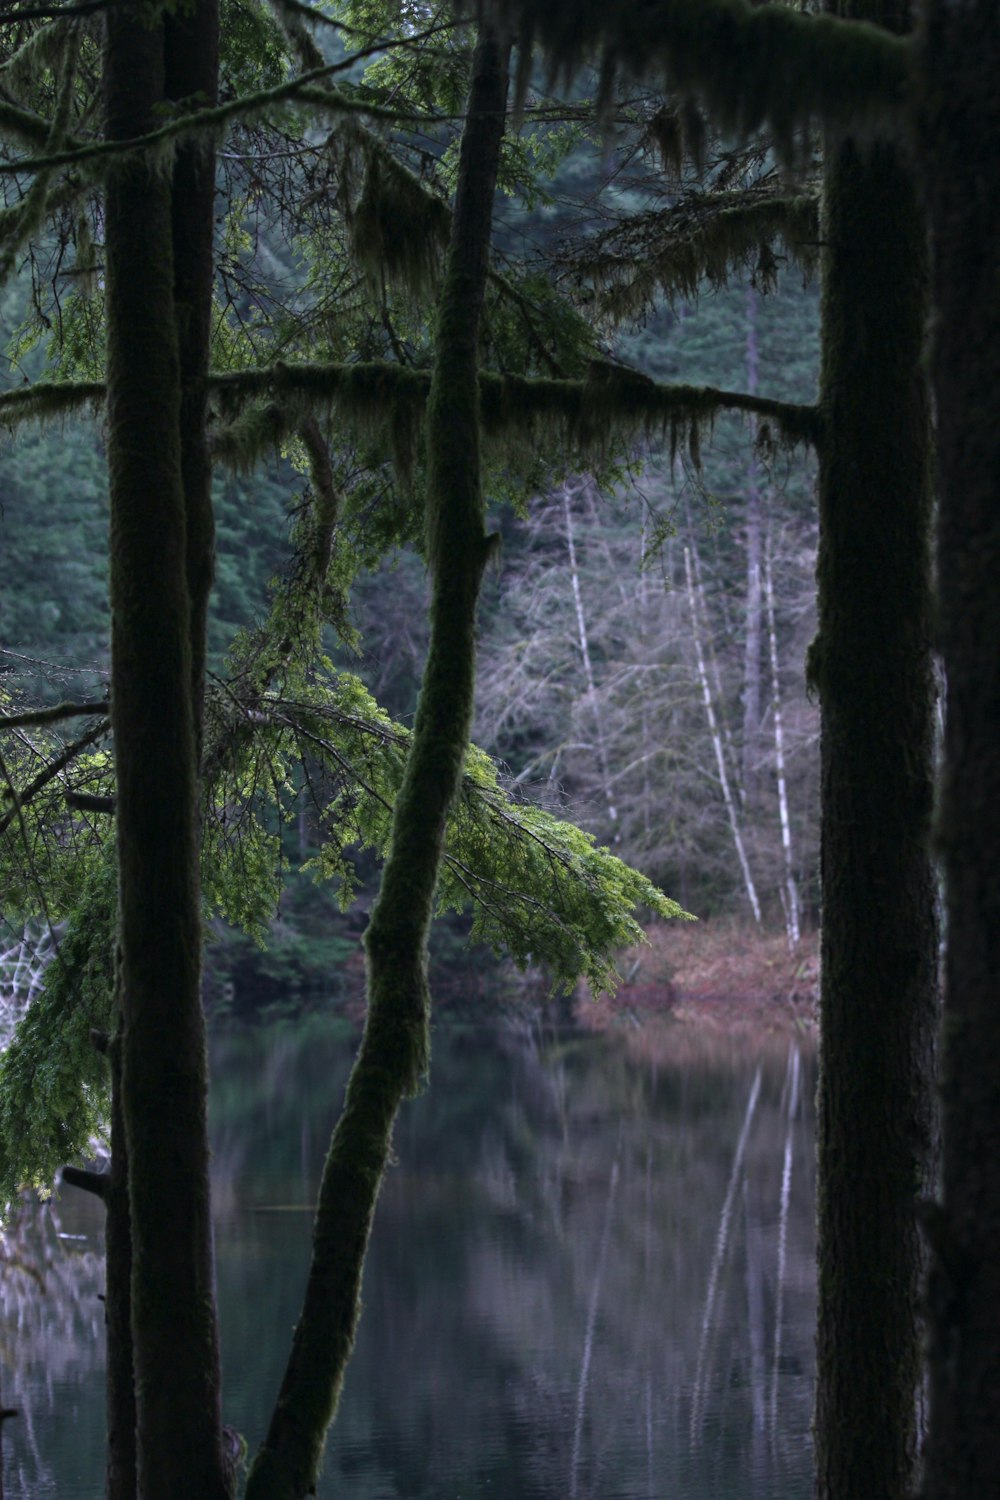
[
  {"x": 872, "y": 666},
  {"x": 164, "y": 1075},
  {"x": 751, "y": 657},
  {"x": 588, "y": 668},
  {"x": 720, "y": 757},
  {"x": 961, "y": 140},
  {"x": 791, "y": 901},
  {"x": 394, "y": 1051}
]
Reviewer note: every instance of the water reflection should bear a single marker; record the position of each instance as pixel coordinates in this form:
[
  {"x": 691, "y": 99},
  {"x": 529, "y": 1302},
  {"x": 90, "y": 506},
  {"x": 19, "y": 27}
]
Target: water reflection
[{"x": 591, "y": 1274}]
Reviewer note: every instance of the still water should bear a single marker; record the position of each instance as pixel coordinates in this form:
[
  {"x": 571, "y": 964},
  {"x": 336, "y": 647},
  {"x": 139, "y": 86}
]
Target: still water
[{"x": 591, "y": 1273}]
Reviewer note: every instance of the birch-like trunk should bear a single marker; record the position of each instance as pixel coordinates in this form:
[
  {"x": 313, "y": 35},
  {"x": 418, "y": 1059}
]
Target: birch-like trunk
[
  {"x": 752, "y": 693},
  {"x": 720, "y": 757},
  {"x": 600, "y": 744},
  {"x": 791, "y": 902}
]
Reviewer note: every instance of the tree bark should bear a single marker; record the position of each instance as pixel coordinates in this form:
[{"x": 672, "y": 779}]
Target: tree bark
[
  {"x": 164, "y": 1074},
  {"x": 871, "y": 663},
  {"x": 121, "y": 1470},
  {"x": 395, "y": 1047},
  {"x": 960, "y": 50},
  {"x": 754, "y": 615},
  {"x": 191, "y": 73}
]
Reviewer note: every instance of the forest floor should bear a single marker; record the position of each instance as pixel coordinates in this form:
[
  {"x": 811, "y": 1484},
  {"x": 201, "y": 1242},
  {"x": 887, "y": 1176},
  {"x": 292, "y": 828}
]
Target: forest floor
[{"x": 716, "y": 975}]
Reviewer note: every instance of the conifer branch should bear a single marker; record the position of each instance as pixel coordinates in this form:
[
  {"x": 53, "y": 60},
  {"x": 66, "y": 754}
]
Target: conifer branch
[
  {"x": 49, "y": 398},
  {"x": 299, "y": 90},
  {"x": 22, "y": 125},
  {"x": 48, "y": 773},
  {"x": 703, "y": 236},
  {"x": 52, "y": 715},
  {"x": 55, "y": 12},
  {"x": 754, "y": 65}
]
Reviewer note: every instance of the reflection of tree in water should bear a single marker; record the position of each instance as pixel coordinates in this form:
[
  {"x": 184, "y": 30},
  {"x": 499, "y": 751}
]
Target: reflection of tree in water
[
  {"x": 539, "y": 1284},
  {"x": 51, "y": 1334},
  {"x": 572, "y": 1316}
]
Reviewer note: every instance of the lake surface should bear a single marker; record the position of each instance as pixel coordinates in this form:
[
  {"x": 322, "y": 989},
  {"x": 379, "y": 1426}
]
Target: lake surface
[{"x": 591, "y": 1273}]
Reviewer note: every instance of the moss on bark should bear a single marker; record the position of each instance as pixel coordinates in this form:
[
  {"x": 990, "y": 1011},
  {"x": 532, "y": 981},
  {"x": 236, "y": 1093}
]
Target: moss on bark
[
  {"x": 872, "y": 666},
  {"x": 394, "y": 1050},
  {"x": 961, "y": 155},
  {"x": 163, "y": 1051}
]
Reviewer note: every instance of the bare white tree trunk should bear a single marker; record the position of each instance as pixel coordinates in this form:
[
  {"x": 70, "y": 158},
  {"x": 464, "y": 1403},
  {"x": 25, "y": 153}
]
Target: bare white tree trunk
[
  {"x": 600, "y": 743},
  {"x": 713, "y": 726},
  {"x": 700, "y": 1388},
  {"x": 792, "y": 1093},
  {"x": 752, "y": 649},
  {"x": 714, "y": 673},
  {"x": 791, "y": 903},
  {"x": 588, "y": 1339}
]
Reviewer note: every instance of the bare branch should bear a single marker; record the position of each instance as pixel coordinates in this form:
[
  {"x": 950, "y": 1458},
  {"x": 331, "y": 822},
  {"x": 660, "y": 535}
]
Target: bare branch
[{"x": 54, "y": 714}]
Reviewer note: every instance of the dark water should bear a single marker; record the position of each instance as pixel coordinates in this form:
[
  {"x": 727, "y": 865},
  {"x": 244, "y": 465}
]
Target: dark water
[{"x": 591, "y": 1274}]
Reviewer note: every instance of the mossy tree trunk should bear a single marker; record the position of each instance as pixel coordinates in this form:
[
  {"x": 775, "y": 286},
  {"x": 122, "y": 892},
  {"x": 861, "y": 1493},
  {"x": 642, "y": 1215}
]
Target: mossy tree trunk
[
  {"x": 961, "y": 141},
  {"x": 871, "y": 663},
  {"x": 393, "y": 1056},
  {"x": 191, "y": 73},
  {"x": 179, "y": 1448},
  {"x": 121, "y": 1469}
]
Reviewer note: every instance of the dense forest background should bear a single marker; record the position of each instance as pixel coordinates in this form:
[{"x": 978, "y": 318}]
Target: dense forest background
[{"x": 594, "y": 670}]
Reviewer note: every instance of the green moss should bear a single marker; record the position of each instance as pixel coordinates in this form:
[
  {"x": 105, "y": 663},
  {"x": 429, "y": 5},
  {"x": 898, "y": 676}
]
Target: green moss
[
  {"x": 753, "y": 65},
  {"x": 702, "y": 237}
]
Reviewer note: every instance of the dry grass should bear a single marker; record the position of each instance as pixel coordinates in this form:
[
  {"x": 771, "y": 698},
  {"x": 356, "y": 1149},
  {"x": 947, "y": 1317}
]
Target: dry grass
[{"x": 722, "y": 976}]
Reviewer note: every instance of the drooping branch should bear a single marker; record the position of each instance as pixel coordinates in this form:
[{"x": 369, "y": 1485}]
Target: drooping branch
[
  {"x": 50, "y": 771},
  {"x": 755, "y": 65},
  {"x": 49, "y": 398},
  {"x": 704, "y": 236},
  {"x": 302, "y": 89},
  {"x": 386, "y": 399},
  {"x": 54, "y": 714}
]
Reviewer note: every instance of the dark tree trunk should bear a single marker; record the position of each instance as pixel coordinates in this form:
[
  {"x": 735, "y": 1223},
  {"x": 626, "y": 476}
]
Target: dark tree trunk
[
  {"x": 961, "y": 139},
  {"x": 872, "y": 665},
  {"x": 394, "y": 1051},
  {"x": 191, "y": 72},
  {"x": 163, "y": 1046},
  {"x": 121, "y": 1478}
]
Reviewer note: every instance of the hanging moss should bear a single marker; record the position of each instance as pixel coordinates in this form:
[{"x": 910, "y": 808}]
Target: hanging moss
[
  {"x": 49, "y": 398},
  {"x": 754, "y": 65},
  {"x": 153, "y": 144},
  {"x": 702, "y": 237},
  {"x": 398, "y": 229}
]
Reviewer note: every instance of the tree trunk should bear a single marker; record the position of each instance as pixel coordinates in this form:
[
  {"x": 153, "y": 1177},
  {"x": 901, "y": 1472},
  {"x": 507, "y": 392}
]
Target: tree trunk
[
  {"x": 164, "y": 1075},
  {"x": 394, "y": 1050},
  {"x": 191, "y": 73},
  {"x": 583, "y": 638},
  {"x": 121, "y": 1475},
  {"x": 961, "y": 141},
  {"x": 720, "y": 757},
  {"x": 791, "y": 898},
  {"x": 872, "y": 666},
  {"x": 752, "y": 653}
]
